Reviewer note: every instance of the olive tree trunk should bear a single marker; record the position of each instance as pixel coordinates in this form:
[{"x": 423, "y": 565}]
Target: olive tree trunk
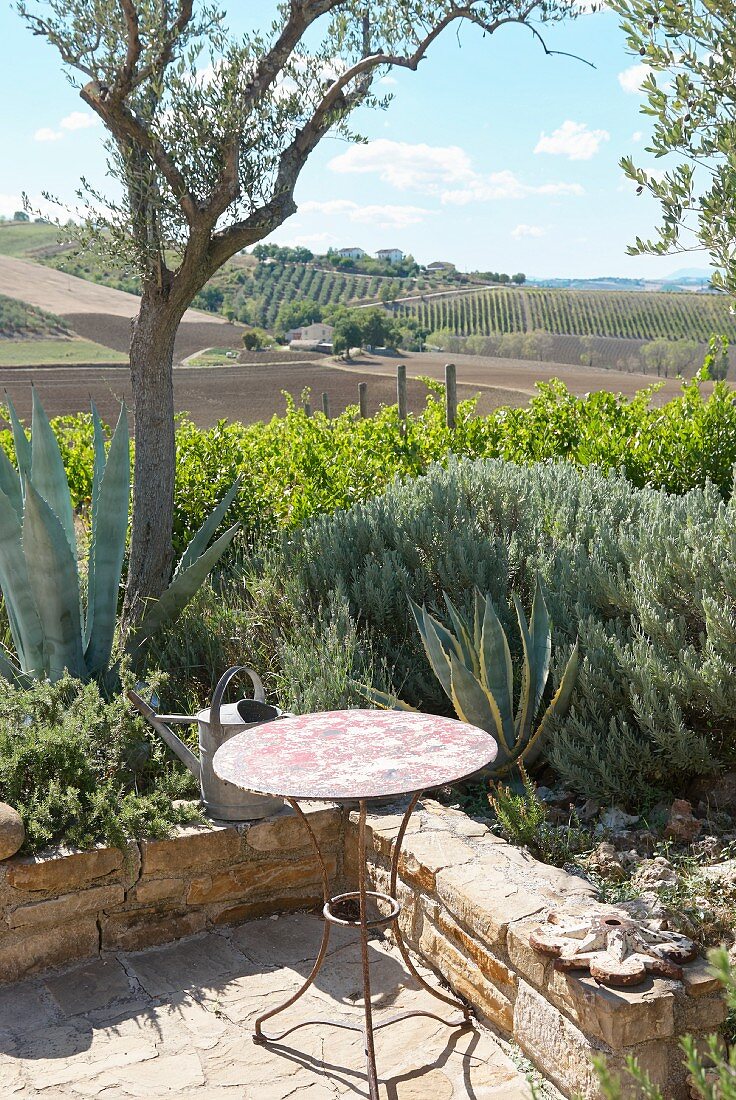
[{"x": 151, "y": 370}]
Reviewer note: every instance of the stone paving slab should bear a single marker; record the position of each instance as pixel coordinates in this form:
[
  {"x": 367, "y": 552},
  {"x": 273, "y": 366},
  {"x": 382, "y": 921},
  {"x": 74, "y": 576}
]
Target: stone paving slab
[{"x": 176, "y": 1021}]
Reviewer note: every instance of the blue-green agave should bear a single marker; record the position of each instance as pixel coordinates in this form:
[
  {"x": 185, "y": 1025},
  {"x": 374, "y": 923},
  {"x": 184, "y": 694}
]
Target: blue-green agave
[
  {"x": 472, "y": 662},
  {"x": 53, "y": 628}
]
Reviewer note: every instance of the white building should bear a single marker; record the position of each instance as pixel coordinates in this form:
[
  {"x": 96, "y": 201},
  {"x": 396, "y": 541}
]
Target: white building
[
  {"x": 310, "y": 336},
  {"x": 390, "y": 255},
  {"x": 353, "y": 253}
]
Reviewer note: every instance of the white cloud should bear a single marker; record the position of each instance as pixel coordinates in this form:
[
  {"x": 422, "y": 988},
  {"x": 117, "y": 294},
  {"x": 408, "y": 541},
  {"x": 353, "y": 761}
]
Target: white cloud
[
  {"x": 505, "y": 185},
  {"x": 572, "y": 140},
  {"x": 79, "y": 120},
  {"x": 631, "y": 79},
  {"x": 442, "y": 170},
  {"x": 405, "y": 166},
  {"x": 47, "y": 134},
  {"x": 384, "y": 216},
  {"x": 637, "y": 136},
  {"x": 388, "y": 80},
  {"x": 527, "y": 231}
]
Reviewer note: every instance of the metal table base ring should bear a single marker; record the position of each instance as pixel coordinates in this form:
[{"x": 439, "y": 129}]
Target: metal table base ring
[
  {"x": 354, "y": 895},
  {"x": 364, "y": 923}
]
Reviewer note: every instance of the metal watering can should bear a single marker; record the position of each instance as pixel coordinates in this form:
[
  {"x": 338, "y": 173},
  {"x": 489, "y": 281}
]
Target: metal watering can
[{"x": 217, "y": 725}]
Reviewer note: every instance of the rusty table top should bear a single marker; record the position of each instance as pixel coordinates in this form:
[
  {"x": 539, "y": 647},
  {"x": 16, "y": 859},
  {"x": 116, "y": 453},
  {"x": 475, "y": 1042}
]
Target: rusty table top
[{"x": 353, "y": 754}]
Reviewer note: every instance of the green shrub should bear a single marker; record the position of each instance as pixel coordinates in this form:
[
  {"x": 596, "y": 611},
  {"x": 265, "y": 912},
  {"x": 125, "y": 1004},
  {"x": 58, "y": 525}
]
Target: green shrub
[
  {"x": 83, "y": 769},
  {"x": 647, "y": 581}
]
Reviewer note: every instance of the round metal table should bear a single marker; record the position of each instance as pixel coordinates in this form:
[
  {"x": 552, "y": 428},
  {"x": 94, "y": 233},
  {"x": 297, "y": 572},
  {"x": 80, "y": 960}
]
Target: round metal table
[{"x": 356, "y": 756}]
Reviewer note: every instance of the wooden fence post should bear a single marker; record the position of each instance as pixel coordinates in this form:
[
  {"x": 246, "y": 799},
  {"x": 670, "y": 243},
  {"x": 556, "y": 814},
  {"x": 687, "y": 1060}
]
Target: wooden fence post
[
  {"x": 363, "y": 399},
  {"x": 401, "y": 394},
  {"x": 326, "y": 405},
  {"x": 307, "y": 405},
  {"x": 450, "y": 395}
]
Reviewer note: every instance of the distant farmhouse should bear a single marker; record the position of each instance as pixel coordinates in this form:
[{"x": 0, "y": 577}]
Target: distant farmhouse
[
  {"x": 353, "y": 253},
  {"x": 314, "y": 337},
  {"x": 390, "y": 255}
]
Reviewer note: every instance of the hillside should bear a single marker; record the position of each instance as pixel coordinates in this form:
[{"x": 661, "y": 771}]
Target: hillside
[
  {"x": 638, "y": 315},
  {"x": 19, "y": 321}
]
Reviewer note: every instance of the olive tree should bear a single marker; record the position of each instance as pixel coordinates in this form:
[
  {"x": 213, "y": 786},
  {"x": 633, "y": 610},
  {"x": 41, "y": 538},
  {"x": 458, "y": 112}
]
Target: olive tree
[
  {"x": 690, "y": 93},
  {"x": 207, "y": 136}
]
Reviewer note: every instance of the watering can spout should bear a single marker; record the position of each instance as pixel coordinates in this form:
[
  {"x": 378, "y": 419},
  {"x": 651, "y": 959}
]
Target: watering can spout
[{"x": 159, "y": 723}]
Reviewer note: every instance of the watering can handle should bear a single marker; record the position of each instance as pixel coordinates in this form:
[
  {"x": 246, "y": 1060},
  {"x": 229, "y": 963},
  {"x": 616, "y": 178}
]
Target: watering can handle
[{"x": 259, "y": 693}]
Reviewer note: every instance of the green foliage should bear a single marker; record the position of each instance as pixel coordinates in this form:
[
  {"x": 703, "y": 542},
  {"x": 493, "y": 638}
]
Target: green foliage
[
  {"x": 81, "y": 768},
  {"x": 472, "y": 662},
  {"x": 712, "y": 1070},
  {"x": 647, "y": 581},
  {"x": 39, "y": 561},
  {"x": 521, "y": 814},
  {"x": 689, "y": 93}
]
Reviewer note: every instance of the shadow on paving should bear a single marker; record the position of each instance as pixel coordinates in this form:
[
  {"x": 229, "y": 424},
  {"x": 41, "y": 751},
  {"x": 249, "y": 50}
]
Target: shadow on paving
[{"x": 177, "y": 1021}]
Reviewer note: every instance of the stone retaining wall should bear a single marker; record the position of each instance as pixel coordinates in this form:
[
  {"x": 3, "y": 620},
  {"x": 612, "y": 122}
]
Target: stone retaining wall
[
  {"x": 65, "y": 906},
  {"x": 469, "y": 903}
]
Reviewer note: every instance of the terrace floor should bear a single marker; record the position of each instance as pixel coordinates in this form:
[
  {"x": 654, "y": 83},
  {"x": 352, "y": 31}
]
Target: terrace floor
[{"x": 175, "y": 1021}]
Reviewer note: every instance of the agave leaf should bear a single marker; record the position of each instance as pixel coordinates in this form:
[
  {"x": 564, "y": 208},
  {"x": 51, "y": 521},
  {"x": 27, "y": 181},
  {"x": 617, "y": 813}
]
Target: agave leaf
[
  {"x": 10, "y": 484},
  {"x": 52, "y": 572},
  {"x": 97, "y": 472},
  {"x": 462, "y": 633},
  {"x": 25, "y": 625},
  {"x": 471, "y": 702},
  {"x": 479, "y": 607},
  {"x": 48, "y": 474},
  {"x": 537, "y": 644},
  {"x": 437, "y": 655},
  {"x": 107, "y": 549},
  {"x": 180, "y": 591},
  {"x": 497, "y": 673},
  {"x": 382, "y": 698},
  {"x": 20, "y": 440},
  {"x": 201, "y": 539},
  {"x": 559, "y": 704},
  {"x": 10, "y": 670}
]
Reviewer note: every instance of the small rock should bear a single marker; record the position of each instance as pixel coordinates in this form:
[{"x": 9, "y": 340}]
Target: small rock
[
  {"x": 614, "y": 820},
  {"x": 604, "y": 861},
  {"x": 721, "y": 872},
  {"x": 681, "y": 824},
  {"x": 589, "y": 810},
  {"x": 12, "y": 831},
  {"x": 654, "y": 873},
  {"x": 632, "y": 858},
  {"x": 708, "y": 848}
]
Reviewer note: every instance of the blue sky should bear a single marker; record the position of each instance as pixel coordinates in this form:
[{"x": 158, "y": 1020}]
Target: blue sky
[{"x": 492, "y": 155}]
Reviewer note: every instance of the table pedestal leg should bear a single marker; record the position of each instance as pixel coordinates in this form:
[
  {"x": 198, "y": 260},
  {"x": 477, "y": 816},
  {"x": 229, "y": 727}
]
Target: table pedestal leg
[{"x": 364, "y": 924}]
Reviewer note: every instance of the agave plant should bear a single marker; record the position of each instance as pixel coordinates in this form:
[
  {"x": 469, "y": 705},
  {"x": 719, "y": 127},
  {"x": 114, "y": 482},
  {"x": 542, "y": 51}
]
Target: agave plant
[
  {"x": 472, "y": 662},
  {"x": 52, "y": 627}
]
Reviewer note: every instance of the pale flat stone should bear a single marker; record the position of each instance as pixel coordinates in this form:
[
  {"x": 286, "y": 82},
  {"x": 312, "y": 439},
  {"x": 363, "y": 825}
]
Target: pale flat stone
[
  {"x": 285, "y": 831},
  {"x": 286, "y": 941},
  {"x": 58, "y": 872},
  {"x": 204, "y": 961},
  {"x": 66, "y": 907},
  {"x": 93, "y": 985}
]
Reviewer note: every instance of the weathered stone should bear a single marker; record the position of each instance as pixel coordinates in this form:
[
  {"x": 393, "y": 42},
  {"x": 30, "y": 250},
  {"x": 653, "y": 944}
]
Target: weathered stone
[
  {"x": 620, "y": 1017},
  {"x": 286, "y": 831},
  {"x": 465, "y": 977},
  {"x": 60, "y": 872},
  {"x": 424, "y": 854},
  {"x": 12, "y": 831},
  {"x": 653, "y": 873},
  {"x": 67, "y": 906},
  {"x": 135, "y": 929},
  {"x": 380, "y": 879},
  {"x": 531, "y": 964},
  {"x": 206, "y": 961},
  {"x": 250, "y": 878},
  {"x": 191, "y": 848},
  {"x": 682, "y": 825},
  {"x": 489, "y": 965},
  {"x": 694, "y": 1014},
  {"x": 699, "y": 979},
  {"x": 458, "y": 822},
  {"x": 149, "y": 891},
  {"x": 26, "y": 953},
  {"x": 604, "y": 861}
]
